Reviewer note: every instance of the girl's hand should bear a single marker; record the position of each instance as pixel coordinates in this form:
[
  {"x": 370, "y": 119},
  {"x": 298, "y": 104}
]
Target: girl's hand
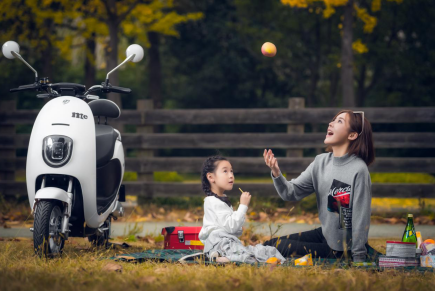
[
  {"x": 245, "y": 198},
  {"x": 271, "y": 162}
]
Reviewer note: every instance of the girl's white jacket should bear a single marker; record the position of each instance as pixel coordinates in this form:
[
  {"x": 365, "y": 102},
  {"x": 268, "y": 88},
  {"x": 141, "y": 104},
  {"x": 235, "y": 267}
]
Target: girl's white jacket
[{"x": 219, "y": 216}]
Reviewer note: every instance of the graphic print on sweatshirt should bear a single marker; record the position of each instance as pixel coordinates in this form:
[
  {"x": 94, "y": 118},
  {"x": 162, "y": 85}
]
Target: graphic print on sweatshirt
[{"x": 338, "y": 201}]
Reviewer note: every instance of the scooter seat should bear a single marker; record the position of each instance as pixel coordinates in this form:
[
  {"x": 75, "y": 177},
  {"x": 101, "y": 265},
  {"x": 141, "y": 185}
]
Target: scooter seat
[
  {"x": 105, "y": 137},
  {"x": 104, "y": 107}
]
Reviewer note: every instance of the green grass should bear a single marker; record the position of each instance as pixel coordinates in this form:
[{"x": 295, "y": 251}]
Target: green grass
[
  {"x": 421, "y": 178},
  {"x": 83, "y": 268}
]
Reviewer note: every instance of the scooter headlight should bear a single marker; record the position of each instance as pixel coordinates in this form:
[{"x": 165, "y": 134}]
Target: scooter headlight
[{"x": 56, "y": 150}]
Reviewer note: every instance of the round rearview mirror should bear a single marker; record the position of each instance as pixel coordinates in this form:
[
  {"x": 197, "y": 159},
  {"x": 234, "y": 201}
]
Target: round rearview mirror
[
  {"x": 135, "y": 50},
  {"x": 9, "y": 47}
]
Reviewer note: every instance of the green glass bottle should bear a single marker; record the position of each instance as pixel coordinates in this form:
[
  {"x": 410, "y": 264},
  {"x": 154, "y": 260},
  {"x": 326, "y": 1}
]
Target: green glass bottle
[{"x": 409, "y": 234}]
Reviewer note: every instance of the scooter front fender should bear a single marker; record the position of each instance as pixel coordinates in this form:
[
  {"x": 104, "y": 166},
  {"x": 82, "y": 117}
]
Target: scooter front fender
[{"x": 52, "y": 193}]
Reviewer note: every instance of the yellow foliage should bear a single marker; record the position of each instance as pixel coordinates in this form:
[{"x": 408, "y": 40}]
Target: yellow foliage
[
  {"x": 296, "y": 3},
  {"x": 359, "y": 47},
  {"x": 329, "y": 11},
  {"x": 376, "y": 5},
  {"x": 67, "y": 24},
  {"x": 335, "y": 3},
  {"x": 369, "y": 21},
  {"x": 155, "y": 16}
]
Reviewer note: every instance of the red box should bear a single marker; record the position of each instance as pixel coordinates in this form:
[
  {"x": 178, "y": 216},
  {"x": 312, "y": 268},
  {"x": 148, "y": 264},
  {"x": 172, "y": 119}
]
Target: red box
[{"x": 182, "y": 238}]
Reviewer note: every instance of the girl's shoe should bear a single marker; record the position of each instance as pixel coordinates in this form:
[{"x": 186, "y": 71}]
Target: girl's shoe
[
  {"x": 222, "y": 260},
  {"x": 213, "y": 256}
]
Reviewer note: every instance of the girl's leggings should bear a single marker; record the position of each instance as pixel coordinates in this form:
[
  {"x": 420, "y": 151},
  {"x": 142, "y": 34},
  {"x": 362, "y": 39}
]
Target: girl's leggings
[{"x": 300, "y": 244}]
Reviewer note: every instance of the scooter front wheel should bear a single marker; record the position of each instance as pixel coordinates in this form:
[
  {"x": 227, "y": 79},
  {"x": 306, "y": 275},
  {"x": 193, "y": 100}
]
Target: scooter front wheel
[{"x": 47, "y": 237}]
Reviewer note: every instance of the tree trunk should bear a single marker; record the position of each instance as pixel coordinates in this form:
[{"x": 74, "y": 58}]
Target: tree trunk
[
  {"x": 361, "y": 87},
  {"x": 154, "y": 69},
  {"x": 347, "y": 57},
  {"x": 111, "y": 51},
  {"x": 90, "y": 72},
  {"x": 315, "y": 69},
  {"x": 47, "y": 69},
  {"x": 334, "y": 75}
]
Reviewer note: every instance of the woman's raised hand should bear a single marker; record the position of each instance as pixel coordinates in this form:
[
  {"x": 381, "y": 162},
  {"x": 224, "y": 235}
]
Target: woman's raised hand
[{"x": 271, "y": 162}]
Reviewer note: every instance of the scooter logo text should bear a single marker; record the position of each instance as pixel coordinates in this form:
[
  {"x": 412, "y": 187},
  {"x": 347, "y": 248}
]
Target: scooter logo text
[{"x": 79, "y": 115}]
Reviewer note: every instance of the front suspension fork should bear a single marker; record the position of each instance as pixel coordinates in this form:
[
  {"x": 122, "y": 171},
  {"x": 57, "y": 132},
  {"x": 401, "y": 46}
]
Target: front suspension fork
[{"x": 67, "y": 209}]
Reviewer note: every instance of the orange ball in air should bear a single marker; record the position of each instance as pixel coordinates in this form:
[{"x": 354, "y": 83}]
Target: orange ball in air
[{"x": 268, "y": 49}]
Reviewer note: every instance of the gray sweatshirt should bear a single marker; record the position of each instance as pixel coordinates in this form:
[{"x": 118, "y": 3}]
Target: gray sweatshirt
[{"x": 343, "y": 191}]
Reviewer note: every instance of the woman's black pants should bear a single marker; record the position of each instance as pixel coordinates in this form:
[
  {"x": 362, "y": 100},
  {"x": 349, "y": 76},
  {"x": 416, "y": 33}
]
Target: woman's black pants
[{"x": 300, "y": 244}]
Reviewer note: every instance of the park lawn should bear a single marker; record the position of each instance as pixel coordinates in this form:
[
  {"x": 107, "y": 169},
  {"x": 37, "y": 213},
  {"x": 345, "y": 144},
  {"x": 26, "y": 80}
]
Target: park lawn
[{"x": 83, "y": 268}]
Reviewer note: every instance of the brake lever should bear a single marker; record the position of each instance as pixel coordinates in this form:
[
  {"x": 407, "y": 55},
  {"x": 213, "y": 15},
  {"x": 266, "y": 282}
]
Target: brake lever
[{"x": 34, "y": 86}]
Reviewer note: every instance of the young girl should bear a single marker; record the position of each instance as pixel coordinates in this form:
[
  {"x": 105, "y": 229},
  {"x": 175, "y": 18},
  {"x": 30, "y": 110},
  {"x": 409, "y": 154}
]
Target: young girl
[
  {"x": 221, "y": 224},
  {"x": 341, "y": 181}
]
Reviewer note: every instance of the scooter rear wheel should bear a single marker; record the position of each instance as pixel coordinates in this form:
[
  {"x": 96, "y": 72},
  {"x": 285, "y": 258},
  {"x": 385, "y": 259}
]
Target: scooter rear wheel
[
  {"x": 48, "y": 240},
  {"x": 101, "y": 239}
]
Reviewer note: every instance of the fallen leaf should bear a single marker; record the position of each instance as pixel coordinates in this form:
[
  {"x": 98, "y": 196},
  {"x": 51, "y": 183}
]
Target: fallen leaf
[
  {"x": 147, "y": 279},
  {"x": 112, "y": 267},
  {"x": 161, "y": 270},
  {"x": 263, "y": 216},
  {"x": 188, "y": 217},
  {"x": 234, "y": 281}
]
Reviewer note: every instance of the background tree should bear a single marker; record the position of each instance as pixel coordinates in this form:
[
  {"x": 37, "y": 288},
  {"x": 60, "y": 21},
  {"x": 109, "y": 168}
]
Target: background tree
[
  {"x": 36, "y": 25},
  {"x": 348, "y": 45},
  {"x": 137, "y": 20}
]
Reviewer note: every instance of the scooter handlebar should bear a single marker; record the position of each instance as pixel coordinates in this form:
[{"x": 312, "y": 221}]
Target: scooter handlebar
[
  {"x": 25, "y": 88},
  {"x": 120, "y": 90}
]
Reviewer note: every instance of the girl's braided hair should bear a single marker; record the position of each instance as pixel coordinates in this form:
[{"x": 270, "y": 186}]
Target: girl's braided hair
[{"x": 209, "y": 166}]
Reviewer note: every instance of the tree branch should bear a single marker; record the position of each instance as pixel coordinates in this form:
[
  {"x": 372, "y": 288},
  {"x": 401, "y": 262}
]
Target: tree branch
[
  {"x": 122, "y": 16},
  {"x": 109, "y": 12}
]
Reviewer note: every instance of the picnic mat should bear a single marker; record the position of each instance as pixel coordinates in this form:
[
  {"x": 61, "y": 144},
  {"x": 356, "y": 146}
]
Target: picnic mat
[{"x": 162, "y": 255}]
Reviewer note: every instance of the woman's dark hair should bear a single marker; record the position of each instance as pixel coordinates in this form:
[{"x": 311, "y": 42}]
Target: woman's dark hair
[
  {"x": 362, "y": 146},
  {"x": 209, "y": 166}
]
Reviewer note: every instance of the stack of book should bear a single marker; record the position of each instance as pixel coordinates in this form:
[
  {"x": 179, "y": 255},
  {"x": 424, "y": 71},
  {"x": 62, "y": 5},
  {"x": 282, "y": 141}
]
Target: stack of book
[
  {"x": 399, "y": 254},
  {"x": 391, "y": 262}
]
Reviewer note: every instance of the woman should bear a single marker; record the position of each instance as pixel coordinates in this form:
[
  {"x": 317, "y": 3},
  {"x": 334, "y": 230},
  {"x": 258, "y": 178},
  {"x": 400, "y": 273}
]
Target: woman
[{"x": 341, "y": 181}]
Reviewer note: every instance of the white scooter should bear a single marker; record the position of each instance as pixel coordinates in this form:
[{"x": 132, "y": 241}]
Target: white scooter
[{"x": 74, "y": 165}]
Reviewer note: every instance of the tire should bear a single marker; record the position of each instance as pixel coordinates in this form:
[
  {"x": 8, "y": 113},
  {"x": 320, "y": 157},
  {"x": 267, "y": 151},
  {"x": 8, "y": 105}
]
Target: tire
[
  {"x": 99, "y": 239},
  {"x": 48, "y": 219}
]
